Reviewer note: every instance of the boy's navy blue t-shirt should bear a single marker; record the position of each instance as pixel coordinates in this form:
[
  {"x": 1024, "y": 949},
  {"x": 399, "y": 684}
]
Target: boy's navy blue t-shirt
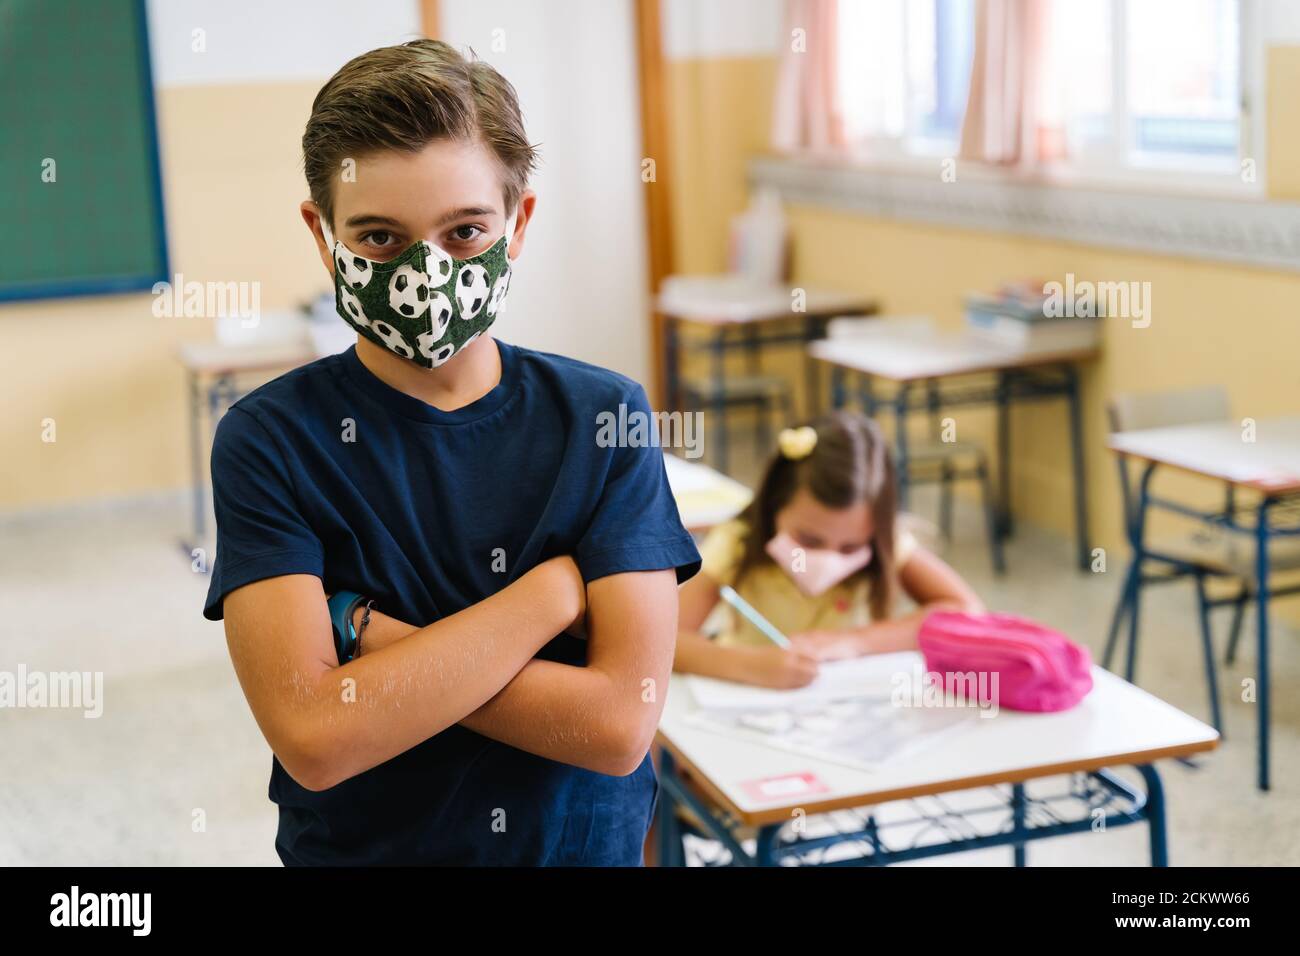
[{"x": 330, "y": 471}]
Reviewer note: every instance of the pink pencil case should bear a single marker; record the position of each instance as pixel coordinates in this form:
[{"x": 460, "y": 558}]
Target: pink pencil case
[{"x": 1037, "y": 668}]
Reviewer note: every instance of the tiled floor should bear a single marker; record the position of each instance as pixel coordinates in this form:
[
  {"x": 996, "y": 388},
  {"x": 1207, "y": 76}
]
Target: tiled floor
[{"x": 109, "y": 590}]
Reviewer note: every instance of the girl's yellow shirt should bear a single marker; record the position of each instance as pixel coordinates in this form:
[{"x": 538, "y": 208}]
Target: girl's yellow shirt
[{"x": 774, "y": 595}]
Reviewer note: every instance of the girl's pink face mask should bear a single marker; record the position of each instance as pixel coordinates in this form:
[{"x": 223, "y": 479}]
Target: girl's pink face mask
[{"x": 815, "y": 571}]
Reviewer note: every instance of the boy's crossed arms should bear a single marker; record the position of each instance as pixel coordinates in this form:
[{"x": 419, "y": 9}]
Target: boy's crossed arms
[{"x": 474, "y": 667}]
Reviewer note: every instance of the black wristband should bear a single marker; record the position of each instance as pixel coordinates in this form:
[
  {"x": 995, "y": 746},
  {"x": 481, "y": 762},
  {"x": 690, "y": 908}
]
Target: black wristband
[{"x": 361, "y": 631}]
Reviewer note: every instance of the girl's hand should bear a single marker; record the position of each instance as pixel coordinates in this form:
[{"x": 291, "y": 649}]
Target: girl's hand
[
  {"x": 776, "y": 667},
  {"x": 828, "y": 645}
]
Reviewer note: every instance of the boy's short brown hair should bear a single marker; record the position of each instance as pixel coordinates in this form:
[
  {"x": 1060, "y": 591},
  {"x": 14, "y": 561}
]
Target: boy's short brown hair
[{"x": 404, "y": 97}]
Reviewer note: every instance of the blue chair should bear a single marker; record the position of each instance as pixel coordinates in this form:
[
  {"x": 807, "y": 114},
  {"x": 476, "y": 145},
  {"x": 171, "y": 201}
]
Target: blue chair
[{"x": 1207, "y": 552}]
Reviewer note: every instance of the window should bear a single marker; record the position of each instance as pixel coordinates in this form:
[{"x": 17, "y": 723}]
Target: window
[
  {"x": 904, "y": 70},
  {"x": 1164, "y": 92},
  {"x": 1130, "y": 89}
]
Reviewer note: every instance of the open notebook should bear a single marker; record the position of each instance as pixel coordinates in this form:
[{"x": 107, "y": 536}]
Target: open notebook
[
  {"x": 704, "y": 497},
  {"x": 874, "y": 676},
  {"x": 846, "y": 716}
]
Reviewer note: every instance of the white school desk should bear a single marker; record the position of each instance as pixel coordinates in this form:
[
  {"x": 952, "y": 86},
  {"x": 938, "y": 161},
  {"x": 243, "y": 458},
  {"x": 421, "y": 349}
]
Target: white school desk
[
  {"x": 705, "y": 497},
  {"x": 735, "y": 300},
  {"x": 1269, "y": 465},
  {"x": 1117, "y": 724},
  {"x": 212, "y": 371},
  {"x": 906, "y": 359},
  {"x": 725, "y": 304}
]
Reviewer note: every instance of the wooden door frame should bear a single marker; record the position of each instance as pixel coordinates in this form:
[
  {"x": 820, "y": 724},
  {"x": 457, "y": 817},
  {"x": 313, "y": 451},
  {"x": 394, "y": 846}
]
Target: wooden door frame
[
  {"x": 652, "y": 84},
  {"x": 429, "y": 19}
]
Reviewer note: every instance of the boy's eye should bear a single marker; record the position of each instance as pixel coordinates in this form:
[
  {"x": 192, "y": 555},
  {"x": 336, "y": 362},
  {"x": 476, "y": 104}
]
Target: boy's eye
[
  {"x": 380, "y": 240},
  {"x": 466, "y": 233}
]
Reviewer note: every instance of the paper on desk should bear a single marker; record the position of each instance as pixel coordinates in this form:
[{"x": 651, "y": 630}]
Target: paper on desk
[
  {"x": 863, "y": 733},
  {"x": 704, "y": 497},
  {"x": 846, "y": 716},
  {"x": 687, "y": 476},
  {"x": 711, "y": 504},
  {"x": 872, "y": 676}
]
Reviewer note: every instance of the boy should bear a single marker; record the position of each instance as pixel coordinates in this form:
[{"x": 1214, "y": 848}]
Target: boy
[{"x": 454, "y": 482}]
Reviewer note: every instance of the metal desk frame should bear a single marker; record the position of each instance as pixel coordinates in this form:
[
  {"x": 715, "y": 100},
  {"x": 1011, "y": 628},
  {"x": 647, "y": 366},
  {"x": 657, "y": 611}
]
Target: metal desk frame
[
  {"x": 1262, "y": 530},
  {"x": 812, "y": 326},
  {"x": 222, "y": 389},
  {"x": 1009, "y": 385},
  {"x": 1019, "y": 820}
]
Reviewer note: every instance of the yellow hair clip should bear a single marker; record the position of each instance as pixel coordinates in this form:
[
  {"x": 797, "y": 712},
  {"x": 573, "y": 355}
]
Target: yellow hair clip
[{"x": 797, "y": 443}]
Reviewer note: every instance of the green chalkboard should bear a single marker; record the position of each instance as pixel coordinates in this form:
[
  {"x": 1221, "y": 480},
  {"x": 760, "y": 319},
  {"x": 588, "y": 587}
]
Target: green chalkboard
[{"x": 80, "y": 195}]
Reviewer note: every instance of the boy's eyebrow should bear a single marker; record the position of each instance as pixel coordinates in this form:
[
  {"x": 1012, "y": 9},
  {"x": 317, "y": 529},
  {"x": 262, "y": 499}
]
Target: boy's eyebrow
[
  {"x": 465, "y": 212},
  {"x": 372, "y": 220}
]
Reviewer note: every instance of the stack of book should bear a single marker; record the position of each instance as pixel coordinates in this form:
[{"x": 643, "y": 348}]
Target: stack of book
[{"x": 1025, "y": 316}]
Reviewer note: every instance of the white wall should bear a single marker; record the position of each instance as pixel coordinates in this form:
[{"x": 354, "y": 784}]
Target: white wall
[
  {"x": 580, "y": 287},
  {"x": 1281, "y": 21},
  {"x": 254, "y": 41}
]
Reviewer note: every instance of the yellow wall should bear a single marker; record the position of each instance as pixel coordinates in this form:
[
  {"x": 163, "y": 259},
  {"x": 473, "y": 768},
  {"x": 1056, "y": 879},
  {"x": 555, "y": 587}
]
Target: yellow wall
[
  {"x": 1211, "y": 323},
  {"x": 1282, "y": 79},
  {"x": 103, "y": 367},
  {"x": 719, "y": 114}
]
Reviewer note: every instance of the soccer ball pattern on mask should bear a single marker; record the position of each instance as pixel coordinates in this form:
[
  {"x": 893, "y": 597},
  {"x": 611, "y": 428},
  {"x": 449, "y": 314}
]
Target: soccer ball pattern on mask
[
  {"x": 393, "y": 339},
  {"x": 408, "y": 292},
  {"x": 353, "y": 305},
  {"x": 441, "y": 355},
  {"x": 438, "y": 265},
  {"x": 471, "y": 290},
  {"x": 410, "y": 306},
  {"x": 498, "y": 293},
  {"x": 439, "y": 313},
  {"x": 427, "y": 345},
  {"x": 355, "y": 270}
]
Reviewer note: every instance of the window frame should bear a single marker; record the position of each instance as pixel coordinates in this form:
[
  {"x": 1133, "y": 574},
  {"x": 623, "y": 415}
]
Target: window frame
[{"x": 901, "y": 153}]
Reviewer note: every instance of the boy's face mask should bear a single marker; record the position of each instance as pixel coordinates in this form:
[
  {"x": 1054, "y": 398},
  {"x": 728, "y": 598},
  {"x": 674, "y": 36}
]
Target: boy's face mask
[
  {"x": 424, "y": 305},
  {"x": 815, "y": 571}
]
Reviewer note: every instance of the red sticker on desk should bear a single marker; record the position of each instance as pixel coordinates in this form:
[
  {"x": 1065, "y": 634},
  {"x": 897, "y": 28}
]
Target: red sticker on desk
[{"x": 785, "y": 786}]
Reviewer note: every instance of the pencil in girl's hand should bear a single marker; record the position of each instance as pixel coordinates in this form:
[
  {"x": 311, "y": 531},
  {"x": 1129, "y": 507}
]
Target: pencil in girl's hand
[{"x": 763, "y": 624}]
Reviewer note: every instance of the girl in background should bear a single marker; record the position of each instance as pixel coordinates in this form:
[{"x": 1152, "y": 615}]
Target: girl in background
[{"x": 819, "y": 553}]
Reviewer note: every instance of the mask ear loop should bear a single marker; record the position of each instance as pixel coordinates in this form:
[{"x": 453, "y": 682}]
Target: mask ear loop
[
  {"x": 329, "y": 239},
  {"x": 510, "y": 231}
]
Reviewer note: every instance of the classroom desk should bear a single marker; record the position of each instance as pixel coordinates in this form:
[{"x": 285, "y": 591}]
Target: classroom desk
[
  {"x": 905, "y": 360},
  {"x": 705, "y": 497},
  {"x": 1269, "y": 466},
  {"x": 212, "y": 371},
  {"x": 727, "y": 303},
  {"x": 1117, "y": 724}
]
